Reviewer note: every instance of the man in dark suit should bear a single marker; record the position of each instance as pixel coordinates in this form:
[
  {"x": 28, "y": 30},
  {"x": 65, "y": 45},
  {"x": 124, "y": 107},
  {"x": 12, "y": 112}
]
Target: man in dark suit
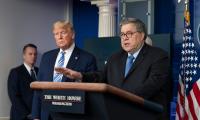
[
  {"x": 67, "y": 55},
  {"x": 19, "y": 84},
  {"x": 137, "y": 68}
]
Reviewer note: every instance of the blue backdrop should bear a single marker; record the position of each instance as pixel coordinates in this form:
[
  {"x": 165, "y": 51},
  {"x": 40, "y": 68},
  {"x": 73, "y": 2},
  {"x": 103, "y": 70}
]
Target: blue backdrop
[{"x": 85, "y": 20}]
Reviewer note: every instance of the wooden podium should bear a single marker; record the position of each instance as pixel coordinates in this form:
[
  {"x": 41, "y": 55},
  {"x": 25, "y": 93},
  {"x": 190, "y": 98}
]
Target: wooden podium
[{"x": 104, "y": 102}]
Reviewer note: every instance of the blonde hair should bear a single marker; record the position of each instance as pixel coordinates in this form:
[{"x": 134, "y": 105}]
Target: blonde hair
[{"x": 63, "y": 24}]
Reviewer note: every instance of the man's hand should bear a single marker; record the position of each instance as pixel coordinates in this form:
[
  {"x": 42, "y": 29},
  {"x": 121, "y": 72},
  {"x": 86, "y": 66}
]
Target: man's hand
[{"x": 69, "y": 73}]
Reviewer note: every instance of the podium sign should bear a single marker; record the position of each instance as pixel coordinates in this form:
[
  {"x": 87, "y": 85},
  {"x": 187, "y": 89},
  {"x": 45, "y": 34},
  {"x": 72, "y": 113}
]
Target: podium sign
[{"x": 64, "y": 101}]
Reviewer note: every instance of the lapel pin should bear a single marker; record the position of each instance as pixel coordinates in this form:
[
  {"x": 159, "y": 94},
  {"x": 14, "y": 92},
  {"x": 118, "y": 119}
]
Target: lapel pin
[{"x": 76, "y": 58}]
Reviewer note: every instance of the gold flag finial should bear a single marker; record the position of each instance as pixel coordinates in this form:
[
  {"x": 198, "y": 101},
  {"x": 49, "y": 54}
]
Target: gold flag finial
[
  {"x": 186, "y": 1},
  {"x": 187, "y": 13}
]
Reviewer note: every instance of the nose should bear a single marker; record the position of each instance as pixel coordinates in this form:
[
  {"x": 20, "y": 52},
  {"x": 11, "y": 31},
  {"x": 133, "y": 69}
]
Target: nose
[
  {"x": 60, "y": 35},
  {"x": 33, "y": 55},
  {"x": 125, "y": 38}
]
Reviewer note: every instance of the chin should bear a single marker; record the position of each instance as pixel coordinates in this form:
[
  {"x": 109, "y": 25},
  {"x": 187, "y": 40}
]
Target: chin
[
  {"x": 32, "y": 63},
  {"x": 127, "y": 49},
  {"x": 64, "y": 47},
  {"x": 60, "y": 46}
]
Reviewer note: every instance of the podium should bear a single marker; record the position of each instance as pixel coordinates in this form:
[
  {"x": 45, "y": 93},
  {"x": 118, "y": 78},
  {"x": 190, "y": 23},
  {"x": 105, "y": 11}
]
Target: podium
[{"x": 101, "y": 102}]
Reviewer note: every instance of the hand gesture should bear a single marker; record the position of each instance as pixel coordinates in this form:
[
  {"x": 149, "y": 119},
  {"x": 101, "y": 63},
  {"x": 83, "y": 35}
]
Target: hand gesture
[{"x": 69, "y": 73}]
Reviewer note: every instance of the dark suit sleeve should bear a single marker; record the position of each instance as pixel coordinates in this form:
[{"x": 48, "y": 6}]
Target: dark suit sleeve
[
  {"x": 91, "y": 66},
  {"x": 158, "y": 77},
  {"x": 92, "y": 77},
  {"x": 98, "y": 76},
  {"x": 15, "y": 95},
  {"x": 91, "y": 74}
]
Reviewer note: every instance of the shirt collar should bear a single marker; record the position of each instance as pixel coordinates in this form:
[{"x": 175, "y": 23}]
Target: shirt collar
[
  {"x": 28, "y": 67},
  {"x": 71, "y": 48},
  {"x": 135, "y": 54}
]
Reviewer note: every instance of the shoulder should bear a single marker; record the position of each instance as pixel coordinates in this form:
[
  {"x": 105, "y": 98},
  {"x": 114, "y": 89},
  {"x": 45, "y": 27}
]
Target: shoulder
[
  {"x": 154, "y": 51},
  {"x": 17, "y": 69},
  {"x": 153, "y": 54},
  {"x": 20, "y": 67},
  {"x": 51, "y": 52}
]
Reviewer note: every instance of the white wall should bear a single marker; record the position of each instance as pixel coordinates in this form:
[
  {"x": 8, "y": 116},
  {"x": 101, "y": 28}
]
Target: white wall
[{"x": 21, "y": 22}]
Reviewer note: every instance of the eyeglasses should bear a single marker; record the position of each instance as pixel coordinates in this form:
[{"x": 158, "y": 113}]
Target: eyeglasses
[{"x": 127, "y": 35}]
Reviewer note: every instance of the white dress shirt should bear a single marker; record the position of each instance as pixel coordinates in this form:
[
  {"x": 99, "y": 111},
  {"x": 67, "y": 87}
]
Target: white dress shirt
[
  {"x": 68, "y": 53},
  {"x": 28, "y": 68}
]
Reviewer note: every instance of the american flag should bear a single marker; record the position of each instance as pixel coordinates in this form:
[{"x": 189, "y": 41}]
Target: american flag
[{"x": 188, "y": 102}]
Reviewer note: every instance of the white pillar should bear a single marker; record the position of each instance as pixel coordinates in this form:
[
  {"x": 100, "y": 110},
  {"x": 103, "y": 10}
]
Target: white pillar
[
  {"x": 68, "y": 11},
  {"x": 107, "y": 18}
]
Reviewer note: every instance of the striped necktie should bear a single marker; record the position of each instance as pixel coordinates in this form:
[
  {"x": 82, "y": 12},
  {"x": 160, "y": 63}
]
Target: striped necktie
[{"x": 57, "y": 76}]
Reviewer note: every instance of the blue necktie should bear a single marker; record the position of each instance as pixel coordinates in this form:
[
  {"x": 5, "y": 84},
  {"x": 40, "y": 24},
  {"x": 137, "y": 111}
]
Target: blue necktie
[
  {"x": 57, "y": 76},
  {"x": 129, "y": 63}
]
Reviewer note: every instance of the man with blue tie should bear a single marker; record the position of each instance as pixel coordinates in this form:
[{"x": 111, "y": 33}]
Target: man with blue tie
[
  {"x": 19, "y": 80},
  {"x": 137, "y": 68},
  {"x": 66, "y": 55}
]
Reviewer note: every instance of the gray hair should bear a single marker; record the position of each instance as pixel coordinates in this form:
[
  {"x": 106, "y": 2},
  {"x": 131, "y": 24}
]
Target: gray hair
[{"x": 140, "y": 26}]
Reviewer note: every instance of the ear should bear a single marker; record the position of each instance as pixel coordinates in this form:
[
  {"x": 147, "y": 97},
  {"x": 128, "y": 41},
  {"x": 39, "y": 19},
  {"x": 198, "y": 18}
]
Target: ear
[
  {"x": 73, "y": 36},
  {"x": 142, "y": 36}
]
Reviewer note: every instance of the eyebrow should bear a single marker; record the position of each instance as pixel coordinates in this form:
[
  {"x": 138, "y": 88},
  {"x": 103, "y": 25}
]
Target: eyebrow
[{"x": 129, "y": 31}]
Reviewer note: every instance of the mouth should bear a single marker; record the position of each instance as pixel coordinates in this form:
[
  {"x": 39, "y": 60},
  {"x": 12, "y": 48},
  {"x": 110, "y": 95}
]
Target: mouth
[
  {"x": 126, "y": 44},
  {"x": 60, "y": 41}
]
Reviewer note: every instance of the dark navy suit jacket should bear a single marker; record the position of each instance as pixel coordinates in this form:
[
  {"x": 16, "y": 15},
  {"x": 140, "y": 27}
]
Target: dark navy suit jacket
[
  {"x": 80, "y": 61},
  {"x": 20, "y": 93}
]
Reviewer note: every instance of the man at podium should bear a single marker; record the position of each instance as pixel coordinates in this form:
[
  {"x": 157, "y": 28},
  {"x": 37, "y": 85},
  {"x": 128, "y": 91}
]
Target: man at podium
[
  {"x": 66, "y": 55},
  {"x": 137, "y": 68}
]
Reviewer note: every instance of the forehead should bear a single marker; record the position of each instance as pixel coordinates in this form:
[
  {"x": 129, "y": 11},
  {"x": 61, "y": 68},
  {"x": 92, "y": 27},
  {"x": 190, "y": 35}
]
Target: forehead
[
  {"x": 29, "y": 49},
  {"x": 128, "y": 27},
  {"x": 59, "y": 29}
]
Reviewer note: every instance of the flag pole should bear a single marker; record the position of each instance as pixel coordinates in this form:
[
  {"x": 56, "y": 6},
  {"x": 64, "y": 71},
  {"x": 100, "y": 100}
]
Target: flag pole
[{"x": 186, "y": 24}]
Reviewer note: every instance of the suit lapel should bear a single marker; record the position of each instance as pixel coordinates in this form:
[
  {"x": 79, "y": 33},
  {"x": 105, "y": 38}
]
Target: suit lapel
[
  {"x": 138, "y": 60},
  {"x": 25, "y": 73},
  {"x": 122, "y": 65},
  {"x": 52, "y": 63},
  {"x": 72, "y": 60}
]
